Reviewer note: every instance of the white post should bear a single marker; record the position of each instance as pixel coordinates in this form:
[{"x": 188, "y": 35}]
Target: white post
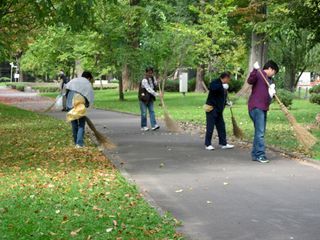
[{"x": 11, "y": 65}]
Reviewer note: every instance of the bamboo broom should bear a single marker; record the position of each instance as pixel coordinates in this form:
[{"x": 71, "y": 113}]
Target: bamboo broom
[
  {"x": 171, "y": 125},
  {"x": 303, "y": 136},
  {"x": 237, "y": 132},
  {"x": 103, "y": 140}
]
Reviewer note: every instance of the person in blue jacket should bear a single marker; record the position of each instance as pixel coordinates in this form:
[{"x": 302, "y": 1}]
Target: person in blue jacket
[{"x": 217, "y": 98}]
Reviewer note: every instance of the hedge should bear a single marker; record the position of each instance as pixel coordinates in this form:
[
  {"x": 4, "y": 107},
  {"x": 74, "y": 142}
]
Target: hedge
[{"x": 285, "y": 96}]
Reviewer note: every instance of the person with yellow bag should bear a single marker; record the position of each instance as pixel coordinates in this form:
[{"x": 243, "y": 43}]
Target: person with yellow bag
[
  {"x": 215, "y": 104},
  {"x": 79, "y": 97}
]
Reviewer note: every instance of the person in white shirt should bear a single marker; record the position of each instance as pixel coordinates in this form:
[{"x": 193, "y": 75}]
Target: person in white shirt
[{"x": 147, "y": 96}]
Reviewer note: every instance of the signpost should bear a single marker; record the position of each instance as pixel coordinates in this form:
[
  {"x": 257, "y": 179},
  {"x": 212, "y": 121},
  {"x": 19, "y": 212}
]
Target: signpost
[{"x": 183, "y": 83}]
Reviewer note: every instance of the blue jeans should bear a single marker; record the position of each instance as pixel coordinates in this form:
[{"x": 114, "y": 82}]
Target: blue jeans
[
  {"x": 215, "y": 118},
  {"x": 78, "y": 131},
  {"x": 259, "y": 118},
  {"x": 144, "y": 108}
]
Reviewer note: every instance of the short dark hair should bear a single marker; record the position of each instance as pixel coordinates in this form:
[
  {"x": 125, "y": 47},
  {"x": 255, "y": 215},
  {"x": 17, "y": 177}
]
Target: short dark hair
[
  {"x": 149, "y": 69},
  {"x": 225, "y": 74},
  {"x": 87, "y": 75},
  {"x": 271, "y": 64}
]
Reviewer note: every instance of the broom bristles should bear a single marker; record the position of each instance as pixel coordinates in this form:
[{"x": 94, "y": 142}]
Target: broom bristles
[
  {"x": 302, "y": 134},
  {"x": 103, "y": 140},
  {"x": 237, "y": 132},
  {"x": 171, "y": 125},
  {"x": 50, "y": 107}
]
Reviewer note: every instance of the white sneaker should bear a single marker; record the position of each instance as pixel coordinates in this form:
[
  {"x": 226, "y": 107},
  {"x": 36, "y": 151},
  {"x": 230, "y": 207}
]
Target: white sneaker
[
  {"x": 210, "y": 148},
  {"x": 156, "y": 127},
  {"x": 228, "y": 146},
  {"x": 144, "y": 129},
  {"x": 78, "y": 146}
]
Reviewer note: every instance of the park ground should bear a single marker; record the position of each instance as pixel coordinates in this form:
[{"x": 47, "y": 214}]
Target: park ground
[
  {"x": 50, "y": 190},
  {"x": 57, "y": 192},
  {"x": 189, "y": 109}
]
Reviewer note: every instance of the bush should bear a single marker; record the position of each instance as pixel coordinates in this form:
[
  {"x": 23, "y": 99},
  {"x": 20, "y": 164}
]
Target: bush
[
  {"x": 235, "y": 86},
  {"x": 285, "y": 96},
  {"x": 315, "y": 89},
  {"x": 192, "y": 85},
  {"x": 315, "y": 98},
  {"x": 18, "y": 86},
  {"x": 5, "y": 79},
  {"x": 45, "y": 89},
  {"x": 114, "y": 81},
  {"x": 172, "y": 86}
]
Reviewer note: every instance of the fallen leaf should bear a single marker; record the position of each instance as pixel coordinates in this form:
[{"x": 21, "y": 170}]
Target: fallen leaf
[
  {"x": 75, "y": 232},
  {"x": 109, "y": 230},
  {"x": 179, "y": 191}
]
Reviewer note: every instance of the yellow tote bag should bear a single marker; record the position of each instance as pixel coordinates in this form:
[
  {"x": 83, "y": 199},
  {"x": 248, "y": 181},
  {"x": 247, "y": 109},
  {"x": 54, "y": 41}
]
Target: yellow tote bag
[
  {"x": 207, "y": 108},
  {"x": 79, "y": 109}
]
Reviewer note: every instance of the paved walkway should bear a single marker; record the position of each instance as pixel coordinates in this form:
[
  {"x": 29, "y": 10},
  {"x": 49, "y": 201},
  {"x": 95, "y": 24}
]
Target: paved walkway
[{"x": 219, "y": 195}]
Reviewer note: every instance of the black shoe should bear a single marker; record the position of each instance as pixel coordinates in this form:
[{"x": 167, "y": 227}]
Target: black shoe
[{"x": 261, "y": 160}]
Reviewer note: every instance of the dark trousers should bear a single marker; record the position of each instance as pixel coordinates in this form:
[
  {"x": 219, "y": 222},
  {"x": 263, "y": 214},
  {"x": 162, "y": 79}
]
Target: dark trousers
[{"x": 215, "y": 118}]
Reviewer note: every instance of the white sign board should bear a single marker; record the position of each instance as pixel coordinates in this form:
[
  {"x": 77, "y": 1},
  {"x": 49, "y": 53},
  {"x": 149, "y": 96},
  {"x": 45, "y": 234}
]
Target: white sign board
[
  {"x": 183, "y": 82},
  {"x": 16, "y": 75}
]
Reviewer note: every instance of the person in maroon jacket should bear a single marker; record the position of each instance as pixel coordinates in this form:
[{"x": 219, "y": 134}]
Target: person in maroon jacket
[{"x": 259, "y": 101}]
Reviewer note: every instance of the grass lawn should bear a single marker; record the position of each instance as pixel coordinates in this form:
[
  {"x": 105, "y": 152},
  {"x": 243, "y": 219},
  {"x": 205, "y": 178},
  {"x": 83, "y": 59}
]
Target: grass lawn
[
  {"x": 50, "y": 190},
  {"x": 189, "y": 109}
]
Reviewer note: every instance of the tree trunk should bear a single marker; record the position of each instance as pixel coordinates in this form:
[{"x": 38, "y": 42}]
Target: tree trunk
[
  {"x": 200, "y": 79},
  {"x": 78, "y": 68},
  {"x": 125, "y": 77},
  {"x": 290, "y": 78},
  {"x": 121, "y": 95},
  {"x": 258, "y": 52}
]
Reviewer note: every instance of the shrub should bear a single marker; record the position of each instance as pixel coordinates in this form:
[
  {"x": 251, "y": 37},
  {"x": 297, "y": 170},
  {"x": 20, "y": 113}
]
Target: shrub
[
  {"x": 18, "y": 86},
  {"x": 5, "y": 79},
  {"x": 172, "y": 86},
  {"x": 315, "y": 98},
  {"x": 192, "y": 85},
  {"x": 315, "y": 89},
  {"x": 285, "y": 96},
  {"x": 45, "y": 89},
  {"x": 235, "y": 86},
  {"x": 114, "y": 81}
]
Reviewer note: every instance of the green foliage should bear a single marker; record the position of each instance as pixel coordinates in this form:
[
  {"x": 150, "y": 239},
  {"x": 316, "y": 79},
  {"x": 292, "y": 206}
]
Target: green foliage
[
  {"x": 315, "y": 98},
  {"x": 235, "y": 86},
  {"x": 5, "y": 79},
  {"x": 315, "y": 89},
  {"x": 44, "y": 89},
  {"x": 173, "y": 85},
  {"x": 285, "y": 96},
  {"x": 17, "y": 86}
]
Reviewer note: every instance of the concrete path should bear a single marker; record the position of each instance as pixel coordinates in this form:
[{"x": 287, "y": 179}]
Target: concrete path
[{"x": 219, "y": 195}]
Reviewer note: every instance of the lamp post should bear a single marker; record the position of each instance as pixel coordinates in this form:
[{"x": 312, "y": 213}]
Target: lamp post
[{"x": 11, "y": 72}]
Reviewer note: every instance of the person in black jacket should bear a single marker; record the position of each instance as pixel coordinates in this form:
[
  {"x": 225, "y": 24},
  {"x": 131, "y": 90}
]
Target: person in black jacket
[{"x": 217, "y": 100}]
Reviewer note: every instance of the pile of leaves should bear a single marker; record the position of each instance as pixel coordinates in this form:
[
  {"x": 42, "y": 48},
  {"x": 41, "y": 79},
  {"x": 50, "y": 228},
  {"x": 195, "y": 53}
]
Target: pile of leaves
[{"x": 50, "y": 190}]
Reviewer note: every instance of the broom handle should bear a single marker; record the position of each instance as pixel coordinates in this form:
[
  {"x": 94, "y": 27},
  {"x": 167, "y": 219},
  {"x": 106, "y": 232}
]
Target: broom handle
[
  {"x": 161, "y": 96},
  {"x": 230, "y": 107}
]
